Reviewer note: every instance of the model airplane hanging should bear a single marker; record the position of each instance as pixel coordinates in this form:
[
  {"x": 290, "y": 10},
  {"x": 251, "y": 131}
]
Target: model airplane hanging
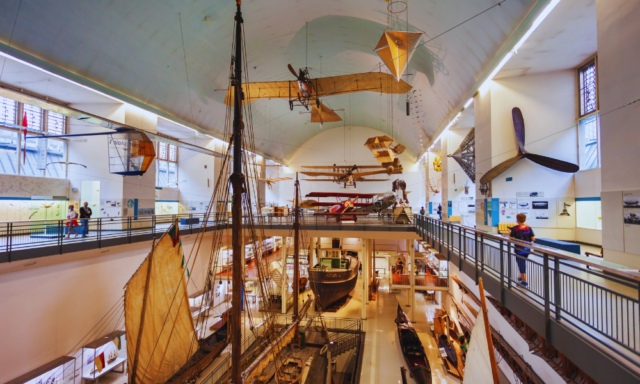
[
  {"x": 269, "y": 181},
  {"x": 306, "y": 91},
  {"x": 518, "y": 126},
  {"x": 350, "y": 176}
]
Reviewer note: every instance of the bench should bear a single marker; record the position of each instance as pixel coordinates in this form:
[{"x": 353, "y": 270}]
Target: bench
[{"x": 559, "y": 244}]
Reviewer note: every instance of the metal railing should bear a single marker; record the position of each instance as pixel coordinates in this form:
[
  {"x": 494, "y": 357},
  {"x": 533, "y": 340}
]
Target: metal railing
[
  {"x": 105, "y": 231},
  {"x": 602, "y": 301}
]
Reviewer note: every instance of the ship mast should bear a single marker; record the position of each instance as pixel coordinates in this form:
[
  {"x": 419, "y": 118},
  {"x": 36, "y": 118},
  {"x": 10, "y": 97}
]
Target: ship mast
[
  {"x": 296, "y": 251},
  {"x": 237, "y": 181}
]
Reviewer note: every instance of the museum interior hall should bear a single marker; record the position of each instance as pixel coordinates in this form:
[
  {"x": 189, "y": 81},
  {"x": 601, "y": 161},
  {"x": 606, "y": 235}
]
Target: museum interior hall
[{"x": 319, "y": 192}]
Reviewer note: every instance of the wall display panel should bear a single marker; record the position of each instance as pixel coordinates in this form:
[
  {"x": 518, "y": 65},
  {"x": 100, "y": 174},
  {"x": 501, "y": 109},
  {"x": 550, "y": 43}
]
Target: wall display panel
[
  {"x": 508, "y": 210},
  {"x": 566, "y": 213},
  {"x": 586, "y": 214},
  {"x": 541, "y": 212},
  {"x": 164, "y": 207},
  {"x": 631, "y": 218},
  {"x": 110, "y": 208}
]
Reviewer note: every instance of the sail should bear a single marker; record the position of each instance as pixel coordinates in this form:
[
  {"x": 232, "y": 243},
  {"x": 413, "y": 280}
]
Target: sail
[
  {"x": 478, "y": 366},
  {"x": 168, "y": 338}
]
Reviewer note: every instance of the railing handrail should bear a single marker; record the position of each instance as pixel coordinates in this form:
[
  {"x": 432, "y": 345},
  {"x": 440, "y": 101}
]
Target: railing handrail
[{"x": 543, "y": 250}]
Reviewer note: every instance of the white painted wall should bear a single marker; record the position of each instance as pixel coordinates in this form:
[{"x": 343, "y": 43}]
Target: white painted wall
[
  {"x": 618, "y": 55},
  {"x": 327, "y": 148},
  {"x": 45, "y": 311},
  {"x": 548, "y": 105},
  {"x": 455, "y": 185}
]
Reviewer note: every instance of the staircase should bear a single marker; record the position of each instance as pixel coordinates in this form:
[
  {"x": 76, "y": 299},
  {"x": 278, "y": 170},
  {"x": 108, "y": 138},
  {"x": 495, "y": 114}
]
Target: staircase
[{"x": 344, "y": 344}]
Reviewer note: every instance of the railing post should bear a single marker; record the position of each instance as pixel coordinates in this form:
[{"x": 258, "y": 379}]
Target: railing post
[
  {"x": 61, "y": 238},
  {"x": 9, "y": 239},
  {"x": 154, "y": 224},
  {"x": 475, "y": 255},
  {"x": 99, "y": 232},
  {"x": 482, "y": 252},
  {"x": 502, "y": 293},
  {"x": 449, "y": 237},
  {"x": 460, "y": 246},
  {"x": 129, "y": 228},
  {"x": 509, "y": 267},
  {"x": 464, "y": 250},
  {"x": 439, "y": 236},
  {"x": 547, "y": 302},
  {"x": 557, "y": 290}
]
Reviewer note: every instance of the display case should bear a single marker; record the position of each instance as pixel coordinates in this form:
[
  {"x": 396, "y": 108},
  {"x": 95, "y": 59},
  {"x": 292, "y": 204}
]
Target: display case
[
  {"x": 104, "y": 355},
  {"x": 58, "y": 371}
]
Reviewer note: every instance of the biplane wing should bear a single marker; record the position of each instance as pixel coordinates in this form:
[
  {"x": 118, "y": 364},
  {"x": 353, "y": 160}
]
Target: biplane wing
[
  {"x": 346, "y": 195},
  {"x": 345, "y": 174},
  {"x": 326, "y": 86},
  {"x": 341, "y": 166}
]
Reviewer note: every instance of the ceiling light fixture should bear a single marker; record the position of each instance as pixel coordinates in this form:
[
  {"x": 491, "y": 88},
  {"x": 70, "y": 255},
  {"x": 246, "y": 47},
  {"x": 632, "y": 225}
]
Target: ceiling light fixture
[
  {"x": 487, "y": 83},
  {"x": 543, "y": 15}
]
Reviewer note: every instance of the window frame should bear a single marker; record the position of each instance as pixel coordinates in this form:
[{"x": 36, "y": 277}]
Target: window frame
[
  {"x": 596, "y": 112},
  {"x": 166, "y": 160}
]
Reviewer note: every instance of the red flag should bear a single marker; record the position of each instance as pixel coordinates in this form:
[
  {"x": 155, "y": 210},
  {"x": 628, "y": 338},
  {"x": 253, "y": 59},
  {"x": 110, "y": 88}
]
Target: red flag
[
  {"x": 99, "y": 361},
  {"x": 24, "y": 151}
]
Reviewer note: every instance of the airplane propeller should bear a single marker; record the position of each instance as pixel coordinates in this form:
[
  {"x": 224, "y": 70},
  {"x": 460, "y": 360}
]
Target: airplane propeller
[
  {"x": 301, "y": 78},
  {"x": 518, "y": 126}
]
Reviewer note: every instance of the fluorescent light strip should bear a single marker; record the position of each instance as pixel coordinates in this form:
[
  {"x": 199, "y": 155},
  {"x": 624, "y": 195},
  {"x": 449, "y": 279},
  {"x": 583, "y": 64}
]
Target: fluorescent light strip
[
  {"x": 59, "y": 77},
  {"x": 487, "y": 83}
]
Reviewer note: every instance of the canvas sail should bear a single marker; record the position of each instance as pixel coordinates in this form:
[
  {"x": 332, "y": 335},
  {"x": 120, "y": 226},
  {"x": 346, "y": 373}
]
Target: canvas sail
[
  {"x": 168, "y": 338},
  {"x": 478, "y": 366}
]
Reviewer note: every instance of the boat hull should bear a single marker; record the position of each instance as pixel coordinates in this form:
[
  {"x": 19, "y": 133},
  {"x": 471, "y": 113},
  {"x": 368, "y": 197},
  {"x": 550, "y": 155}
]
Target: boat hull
[
  {"x": 412, "y": 349},
  {"x": 209, "y": 348},
  {"x": 331, "y": 286}
]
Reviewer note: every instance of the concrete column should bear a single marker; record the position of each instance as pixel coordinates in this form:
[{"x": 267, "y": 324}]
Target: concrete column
[
  {"x": 365, "y": 280},
  {"x": 618, "y": 83},
  {"x": 284, "y": 286},
  {"x": 444, "y": 144},
  {"x": 412, "y": 278}
]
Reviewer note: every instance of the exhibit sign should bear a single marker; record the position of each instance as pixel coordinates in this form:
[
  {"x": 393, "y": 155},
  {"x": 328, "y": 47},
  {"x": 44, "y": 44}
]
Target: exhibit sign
[{"x": 631, "y": 218}]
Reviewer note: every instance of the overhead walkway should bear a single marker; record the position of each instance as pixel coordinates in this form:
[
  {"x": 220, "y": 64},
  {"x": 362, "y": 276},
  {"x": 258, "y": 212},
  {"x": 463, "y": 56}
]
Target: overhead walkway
[
  {"x": 586, "y": 309},
  {"x": 23, "y": 240}
]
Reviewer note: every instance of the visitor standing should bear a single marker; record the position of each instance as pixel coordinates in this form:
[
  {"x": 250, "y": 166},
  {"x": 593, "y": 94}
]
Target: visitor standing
[
  {"x": 72, "y": 222},
  {"x": 85, "y": 215},
  {"x": 440, "y": 211},
  {"x": 422, "y": 211},
  {"x": 522, "y": 232}
]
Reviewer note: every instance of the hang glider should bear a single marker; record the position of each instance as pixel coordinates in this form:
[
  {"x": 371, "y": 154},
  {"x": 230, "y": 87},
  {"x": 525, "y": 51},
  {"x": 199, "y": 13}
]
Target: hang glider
[
  {"x": 306, "y": 91},
  {"x": 518, "y": 126},
  {"x": 269, "y": 181},
  {"x": 465, "y": 155}
]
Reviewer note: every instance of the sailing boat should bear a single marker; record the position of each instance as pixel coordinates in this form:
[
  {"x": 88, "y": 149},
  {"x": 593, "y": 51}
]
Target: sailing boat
[
  {"x": 481, "y": 367},
  {"x": 161, "y": 336}
]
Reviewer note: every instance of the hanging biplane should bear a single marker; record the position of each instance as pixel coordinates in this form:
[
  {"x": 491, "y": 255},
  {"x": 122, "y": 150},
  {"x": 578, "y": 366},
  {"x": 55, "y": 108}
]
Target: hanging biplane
[
  {"x": 269, "y": 181},
  {"x": 348, "y": 175},
  {"x": 305, "y": 91},
  {"x": 369, "y": 202}
]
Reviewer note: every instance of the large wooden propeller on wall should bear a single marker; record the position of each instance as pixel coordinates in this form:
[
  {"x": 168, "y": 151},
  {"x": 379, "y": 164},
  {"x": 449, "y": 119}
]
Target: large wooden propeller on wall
[{"x": 518, "y": 126}]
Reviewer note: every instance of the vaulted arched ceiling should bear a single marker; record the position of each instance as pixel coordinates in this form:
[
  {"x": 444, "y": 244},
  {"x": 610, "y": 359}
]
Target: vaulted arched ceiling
[{"x": 136, "y": 49}]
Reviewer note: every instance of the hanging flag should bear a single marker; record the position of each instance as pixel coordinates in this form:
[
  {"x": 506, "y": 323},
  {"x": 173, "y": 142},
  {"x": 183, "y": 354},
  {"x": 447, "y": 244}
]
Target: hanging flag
[
  {"x": 99, "y": 361},
  {"x": 24, "y": 131},
  {"x": 118, "y": 342},
  {"x": 183, "y": 260},
  {"x": 175, "y": 235}
]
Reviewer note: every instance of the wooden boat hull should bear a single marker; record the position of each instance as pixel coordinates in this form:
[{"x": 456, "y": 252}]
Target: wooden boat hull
[
  {"x": 210, "y": 348},
  {"x": 331, "y": 286},
  {"x": 412, "y": 349}
]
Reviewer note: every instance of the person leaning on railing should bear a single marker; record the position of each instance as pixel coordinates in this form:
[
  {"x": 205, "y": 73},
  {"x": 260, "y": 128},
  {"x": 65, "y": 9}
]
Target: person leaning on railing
[
  {"x": 522, "y": 232},
  {"x": 85, "y": 215}
]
